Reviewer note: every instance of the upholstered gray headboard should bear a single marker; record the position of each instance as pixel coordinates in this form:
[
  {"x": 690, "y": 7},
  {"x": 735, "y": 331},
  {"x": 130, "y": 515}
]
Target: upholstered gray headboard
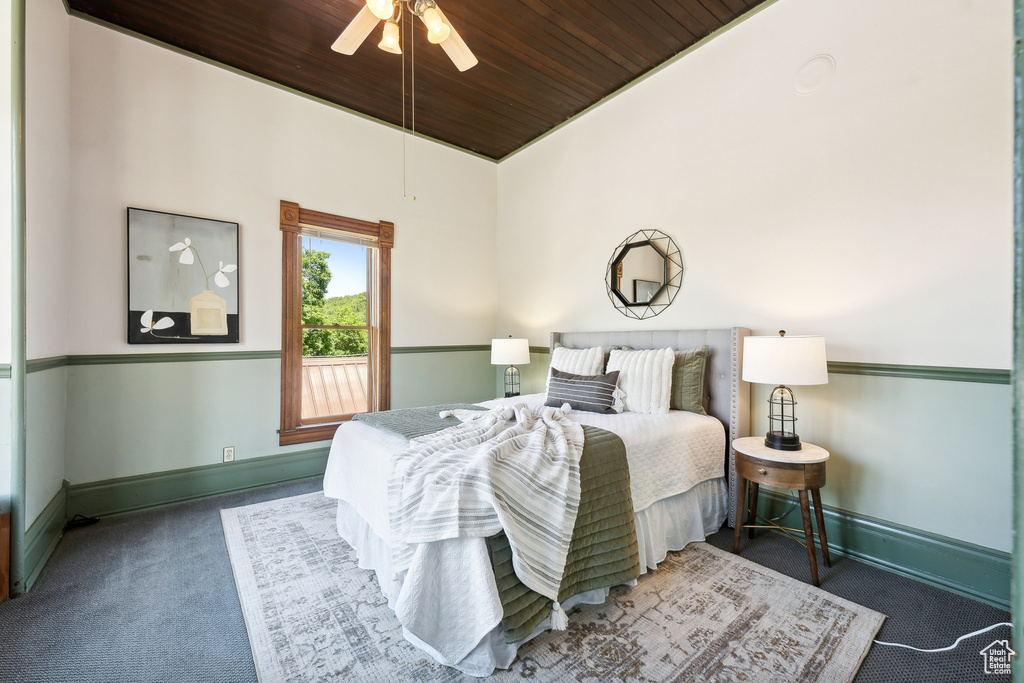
[{"x": 729, "y": 395}]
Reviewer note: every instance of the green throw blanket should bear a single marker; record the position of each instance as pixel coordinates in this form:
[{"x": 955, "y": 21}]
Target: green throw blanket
[
  {"x": 603, "y": 551},
  {"x": 413, "y": 422}
]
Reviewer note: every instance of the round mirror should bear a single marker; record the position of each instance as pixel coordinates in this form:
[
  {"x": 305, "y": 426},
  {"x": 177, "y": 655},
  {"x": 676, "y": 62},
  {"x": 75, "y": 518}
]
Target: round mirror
[{"x": 644, "y": 274}]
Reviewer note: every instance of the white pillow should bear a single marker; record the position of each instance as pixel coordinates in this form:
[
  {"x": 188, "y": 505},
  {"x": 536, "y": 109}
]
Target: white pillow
[
  {"x": 578, "y": 361},
  {"x": 645, "y": 378}
]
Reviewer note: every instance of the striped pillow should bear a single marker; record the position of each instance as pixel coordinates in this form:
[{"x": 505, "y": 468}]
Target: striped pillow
[{"x": 590, "y": 393}]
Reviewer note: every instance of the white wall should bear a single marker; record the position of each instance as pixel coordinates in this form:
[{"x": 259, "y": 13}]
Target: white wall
[
  {"x": 154, "y": 129},
  {"x": 159, "y": 130},
  {"x": 48, "y": 216},
  {"x": 876, "y": 211},
  {"x": 883, "y": 201},
  {"x": 48, "y": 175}
]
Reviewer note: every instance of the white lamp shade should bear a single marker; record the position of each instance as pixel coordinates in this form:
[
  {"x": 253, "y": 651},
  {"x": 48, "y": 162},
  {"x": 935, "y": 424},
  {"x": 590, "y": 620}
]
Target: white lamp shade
[
  {"x": 795, "y": 361},
  {"x": 510, "y": 351}
]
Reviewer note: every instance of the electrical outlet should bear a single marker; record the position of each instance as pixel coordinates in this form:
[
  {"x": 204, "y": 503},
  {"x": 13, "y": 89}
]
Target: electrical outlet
[{"x": 229, "y": 454}]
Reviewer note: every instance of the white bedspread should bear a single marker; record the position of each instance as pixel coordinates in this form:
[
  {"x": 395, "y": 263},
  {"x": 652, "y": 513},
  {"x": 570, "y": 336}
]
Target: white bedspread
[{"x": 668, "y": 455}]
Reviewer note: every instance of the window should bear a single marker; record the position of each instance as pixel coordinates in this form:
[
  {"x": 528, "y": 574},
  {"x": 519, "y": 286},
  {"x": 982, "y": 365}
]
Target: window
[{"x": 335, "y": 321}]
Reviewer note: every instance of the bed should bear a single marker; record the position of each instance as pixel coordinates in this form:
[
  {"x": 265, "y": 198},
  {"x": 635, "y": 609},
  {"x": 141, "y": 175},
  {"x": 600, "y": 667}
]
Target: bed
[{"x": 681, "y": 478}]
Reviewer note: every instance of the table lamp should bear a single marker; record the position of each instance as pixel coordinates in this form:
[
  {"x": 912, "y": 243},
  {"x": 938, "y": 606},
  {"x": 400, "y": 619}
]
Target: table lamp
[
  {"x": 783, "y": 361},
  {"x": 510, "y": 352}
]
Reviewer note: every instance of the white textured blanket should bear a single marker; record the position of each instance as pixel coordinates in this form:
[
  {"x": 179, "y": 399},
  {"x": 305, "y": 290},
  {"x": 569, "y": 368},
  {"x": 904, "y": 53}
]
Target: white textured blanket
[{"x": 489, "y": 474}]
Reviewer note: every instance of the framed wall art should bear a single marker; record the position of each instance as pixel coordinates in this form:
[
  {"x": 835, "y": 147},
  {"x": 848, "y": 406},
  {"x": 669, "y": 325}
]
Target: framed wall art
[{"x": 182, "y": 279}]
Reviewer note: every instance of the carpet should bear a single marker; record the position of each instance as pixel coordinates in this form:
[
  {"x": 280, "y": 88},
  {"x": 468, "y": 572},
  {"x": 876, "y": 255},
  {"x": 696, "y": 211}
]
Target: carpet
[{"x": 703, "y": 615}]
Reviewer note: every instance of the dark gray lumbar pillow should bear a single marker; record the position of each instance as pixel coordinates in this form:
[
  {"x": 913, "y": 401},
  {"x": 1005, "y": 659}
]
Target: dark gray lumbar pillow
[{"x": 590, "y": 393}]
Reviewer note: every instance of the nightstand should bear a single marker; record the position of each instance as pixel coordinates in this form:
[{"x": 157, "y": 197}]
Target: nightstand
[{"x": 802, "y": 470}]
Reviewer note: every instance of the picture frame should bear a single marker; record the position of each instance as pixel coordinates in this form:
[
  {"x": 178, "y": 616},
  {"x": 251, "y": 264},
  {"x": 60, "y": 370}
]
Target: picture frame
[
  {"x": 644, "y": 291},
  {"x": 182, "y": 279}
]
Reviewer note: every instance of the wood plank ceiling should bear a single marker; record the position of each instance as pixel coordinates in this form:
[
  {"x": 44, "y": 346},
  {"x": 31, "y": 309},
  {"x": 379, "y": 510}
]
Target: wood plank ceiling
[{"x": 541, "y": 61}]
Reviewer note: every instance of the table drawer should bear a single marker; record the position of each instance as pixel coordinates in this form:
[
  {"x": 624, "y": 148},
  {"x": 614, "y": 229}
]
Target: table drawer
[{"x": 780, "y": 474}]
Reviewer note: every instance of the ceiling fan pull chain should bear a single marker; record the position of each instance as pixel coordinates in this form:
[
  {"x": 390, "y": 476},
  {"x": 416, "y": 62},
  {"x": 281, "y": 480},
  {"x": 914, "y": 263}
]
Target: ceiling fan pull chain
[
  {"x": 405, "y": 154},
  {"x": 413, "y": 47}
]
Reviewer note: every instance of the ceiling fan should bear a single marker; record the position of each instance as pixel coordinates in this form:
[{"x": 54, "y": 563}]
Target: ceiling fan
[{"x": 439, "y": 29}]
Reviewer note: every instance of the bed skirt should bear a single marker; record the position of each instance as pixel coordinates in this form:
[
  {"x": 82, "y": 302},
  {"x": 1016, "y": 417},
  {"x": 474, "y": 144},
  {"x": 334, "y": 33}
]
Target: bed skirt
[{"x": 452, "y": 621}]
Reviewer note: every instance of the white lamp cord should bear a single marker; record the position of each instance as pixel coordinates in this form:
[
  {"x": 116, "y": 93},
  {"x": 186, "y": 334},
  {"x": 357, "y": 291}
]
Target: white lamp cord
[
  {"x": 910, "y": 647},
  {"x": 951, "y": 647}
]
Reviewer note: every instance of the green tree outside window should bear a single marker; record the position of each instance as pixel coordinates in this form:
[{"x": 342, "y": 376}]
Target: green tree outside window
[{"x": 317, "y": 309}]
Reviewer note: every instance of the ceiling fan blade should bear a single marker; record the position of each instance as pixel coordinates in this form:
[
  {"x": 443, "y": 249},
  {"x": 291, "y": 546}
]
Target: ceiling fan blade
[
  {"x": 355, "y": 33},
  {"x": 456, "y": 47}
]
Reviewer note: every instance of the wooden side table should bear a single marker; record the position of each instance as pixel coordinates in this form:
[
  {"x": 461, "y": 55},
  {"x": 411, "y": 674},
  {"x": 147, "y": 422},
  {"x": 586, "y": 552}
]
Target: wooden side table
[{"x": 802, "y": 470}]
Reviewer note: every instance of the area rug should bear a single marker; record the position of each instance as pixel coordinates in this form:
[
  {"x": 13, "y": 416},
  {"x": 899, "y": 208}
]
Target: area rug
[{"x": 703, "y": 615}]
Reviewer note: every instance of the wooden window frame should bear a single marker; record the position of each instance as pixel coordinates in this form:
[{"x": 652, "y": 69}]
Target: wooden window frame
[{"x": 293, "y": 219}]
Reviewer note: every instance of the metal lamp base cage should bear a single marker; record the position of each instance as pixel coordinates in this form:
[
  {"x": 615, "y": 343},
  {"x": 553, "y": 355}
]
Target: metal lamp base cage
[
  {"x": 783, "y": 441},
  {"x": 511, "y": 381},
  {"x": 782, "y": 434}
]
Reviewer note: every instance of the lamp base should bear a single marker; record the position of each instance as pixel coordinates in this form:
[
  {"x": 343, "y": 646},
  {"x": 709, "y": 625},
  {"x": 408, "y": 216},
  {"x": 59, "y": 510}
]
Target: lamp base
[
  {"x": 511, "y": 381},
  {"x": 783, "y": 441}
]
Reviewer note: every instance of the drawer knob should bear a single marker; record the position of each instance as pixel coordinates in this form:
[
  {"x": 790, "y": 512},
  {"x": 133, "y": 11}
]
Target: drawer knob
[{"x": 762, "y": 470}]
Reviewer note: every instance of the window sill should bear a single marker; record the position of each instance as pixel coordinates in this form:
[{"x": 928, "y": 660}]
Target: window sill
[{"x": 308, "y": 433}]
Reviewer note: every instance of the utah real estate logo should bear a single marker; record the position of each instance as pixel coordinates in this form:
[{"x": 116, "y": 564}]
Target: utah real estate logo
[{"x": 997, "y": 657}]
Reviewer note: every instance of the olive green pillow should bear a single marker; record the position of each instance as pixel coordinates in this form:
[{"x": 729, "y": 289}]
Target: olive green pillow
[{"x": 688, "y": 380}]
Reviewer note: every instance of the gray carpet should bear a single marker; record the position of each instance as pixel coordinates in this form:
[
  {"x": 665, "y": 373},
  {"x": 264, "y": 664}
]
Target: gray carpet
[
  {"x": 141, "y": 597},
  {"x": 149, "y": 596}
]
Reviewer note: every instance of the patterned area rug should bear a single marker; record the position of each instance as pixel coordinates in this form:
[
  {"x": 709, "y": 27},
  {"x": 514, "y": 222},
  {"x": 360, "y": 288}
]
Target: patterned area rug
[{"x": 704, "y": 615}]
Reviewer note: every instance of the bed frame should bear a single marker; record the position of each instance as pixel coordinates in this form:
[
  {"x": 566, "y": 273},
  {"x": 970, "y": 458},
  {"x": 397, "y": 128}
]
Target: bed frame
[{"x": 729, "y": 394}]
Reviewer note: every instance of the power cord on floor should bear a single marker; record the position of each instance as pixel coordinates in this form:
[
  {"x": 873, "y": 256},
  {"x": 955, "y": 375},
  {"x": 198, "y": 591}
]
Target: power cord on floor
[
  {"x": 910, "y": 647},
  {"x": 80, "y": 520},
  {"x": 788, "y": 510},
  {"x": 951, "y": 647}
]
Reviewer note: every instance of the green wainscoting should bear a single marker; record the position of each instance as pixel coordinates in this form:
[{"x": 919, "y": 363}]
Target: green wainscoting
[
  {"x": 103, "y": 498},
  {"x": 971, "y": 570},
  {"x": 945, "y": 374},
  {"x": 534, "y": 375},
  {"x": 188, "y": 357},
  {"x": 45, "y": 447},
  {"x": 42, "y": 536},
  {"x": 44, "y": 364},
  {"x": 936, "y": 372},
  {"x": 432, "y": 375},
  {"x": 401, "y": 350},
  {"x": 146, "y": 429},
  {"x": 114, "y": 496}
]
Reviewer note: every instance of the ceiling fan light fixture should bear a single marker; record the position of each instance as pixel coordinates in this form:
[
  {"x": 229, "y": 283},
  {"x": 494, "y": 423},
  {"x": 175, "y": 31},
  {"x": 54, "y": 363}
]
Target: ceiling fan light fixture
[
  {"x": 440, "y": 31},
  {"x": 389, "y": 42},
  {"x": 437, "y": 30},
  {"x": 382, "y": 9}
]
